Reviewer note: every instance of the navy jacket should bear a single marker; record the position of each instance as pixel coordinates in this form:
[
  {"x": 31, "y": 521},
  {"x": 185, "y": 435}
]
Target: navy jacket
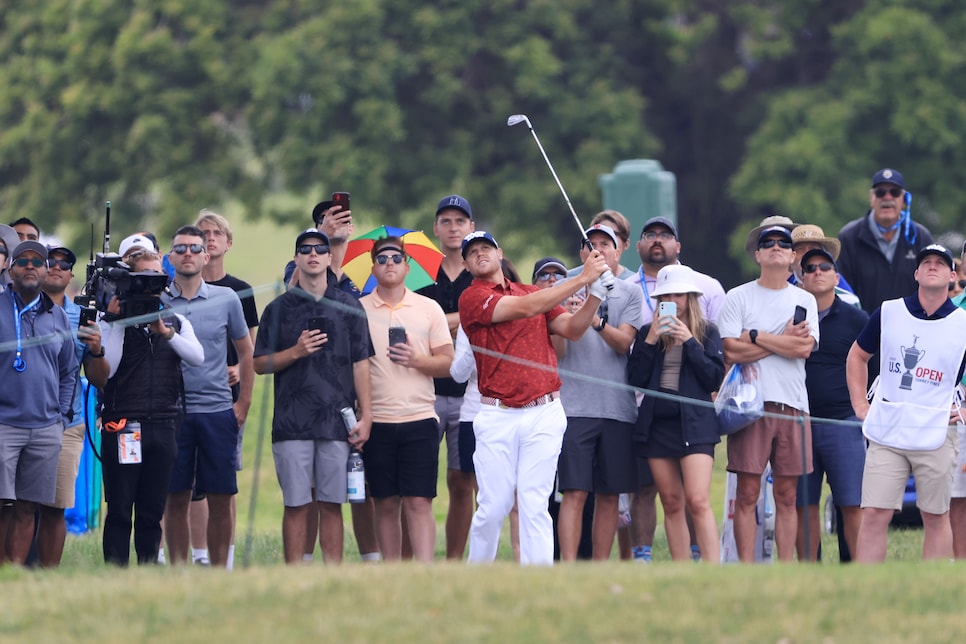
[{"x": 702, "y": 370}]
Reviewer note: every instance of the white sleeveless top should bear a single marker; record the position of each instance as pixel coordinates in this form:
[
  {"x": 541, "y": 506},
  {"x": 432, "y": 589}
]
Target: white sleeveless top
[{"x": 919, "y": 361}]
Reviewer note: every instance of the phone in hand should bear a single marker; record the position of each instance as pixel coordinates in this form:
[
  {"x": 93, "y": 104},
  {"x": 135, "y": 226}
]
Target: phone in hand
[
  {"x": 88, "y": 314},
  {"x": 319, "y": 324},
  {"x": 667, "y": 309},
  {"x": 397, "y": 335},
  {"x": 341, "y": 199},
  {"x": 799, "y": 315}
]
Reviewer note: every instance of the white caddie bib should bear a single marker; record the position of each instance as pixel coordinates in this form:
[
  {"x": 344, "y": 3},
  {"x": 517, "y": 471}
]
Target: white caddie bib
[{"x": 918, "y": 364}]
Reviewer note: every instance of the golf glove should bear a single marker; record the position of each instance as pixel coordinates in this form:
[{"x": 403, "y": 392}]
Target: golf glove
[
  {"x": 607, "y": 279},
  {"x": 598, "y": 289}
]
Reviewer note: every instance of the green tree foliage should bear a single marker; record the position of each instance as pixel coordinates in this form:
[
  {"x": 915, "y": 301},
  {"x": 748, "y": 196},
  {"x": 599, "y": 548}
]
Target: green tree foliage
[{"x": 892, "y": 97}]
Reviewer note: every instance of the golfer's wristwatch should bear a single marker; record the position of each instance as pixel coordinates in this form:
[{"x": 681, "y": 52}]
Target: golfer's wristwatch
[
  {"x": 753, "y": 336},
  {"x": 603, "y": 323}
]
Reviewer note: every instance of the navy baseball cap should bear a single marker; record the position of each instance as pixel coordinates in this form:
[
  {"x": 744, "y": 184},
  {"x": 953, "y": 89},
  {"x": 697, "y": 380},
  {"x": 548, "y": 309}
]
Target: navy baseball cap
[
  {"x": 477, "y": 236},
  {"x": 25, "y": 246},
  {"x": 63, "y": 250},
  {"x": 888, "y": 175},
  {"x": 818, "y": 252},
  {"x": 455, "y": 201},
  {"x": 549, "y": 262},
  {"x": 660, "y": 221},
  {"x": 781, "y": 231},
  {"x": 308, "y": 234},
  {"x": 318, "y": 213},
  {"x": 934, "y": 249}
]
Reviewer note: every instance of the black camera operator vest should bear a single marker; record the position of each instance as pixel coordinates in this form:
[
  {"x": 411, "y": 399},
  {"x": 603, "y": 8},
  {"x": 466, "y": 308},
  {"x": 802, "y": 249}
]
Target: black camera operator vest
[{"x": 147, "y": 384}]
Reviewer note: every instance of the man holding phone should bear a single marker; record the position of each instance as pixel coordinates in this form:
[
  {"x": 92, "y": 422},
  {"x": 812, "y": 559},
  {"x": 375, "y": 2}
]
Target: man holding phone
[
  {"x": 335, "y": 220},
  {"x": 315, "y": 339},
  {"x": 757, "y": 325},
  {"x": 412, "y": 346}
]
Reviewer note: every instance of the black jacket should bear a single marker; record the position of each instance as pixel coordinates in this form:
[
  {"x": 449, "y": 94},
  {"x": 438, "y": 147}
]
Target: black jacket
[
  {"x": 871, "y": 276},
  {"x": 702, "y": 369}
]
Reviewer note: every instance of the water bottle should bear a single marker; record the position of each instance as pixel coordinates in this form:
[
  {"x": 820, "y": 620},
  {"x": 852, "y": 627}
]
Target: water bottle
[
  {"x": 355, "y": 470},
  {"x": 355, "y": 477}
]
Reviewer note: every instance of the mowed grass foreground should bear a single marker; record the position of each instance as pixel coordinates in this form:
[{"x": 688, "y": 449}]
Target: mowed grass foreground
[{"x": 897, "y": 602}]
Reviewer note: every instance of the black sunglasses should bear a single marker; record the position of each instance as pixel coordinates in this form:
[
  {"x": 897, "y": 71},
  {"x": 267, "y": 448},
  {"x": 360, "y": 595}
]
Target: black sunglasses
[
  {"x": 768, "y": 243},
  {"x": 824, "y": 266},
  {"x": 181, "y": 249},
  {"x": 23, "y": 262},
  {"x": 894, "y": 192},
  {"x": 384, "y": 259},
  {"x": 306, "y": 249},
  {"x": 62, "y": 264}
]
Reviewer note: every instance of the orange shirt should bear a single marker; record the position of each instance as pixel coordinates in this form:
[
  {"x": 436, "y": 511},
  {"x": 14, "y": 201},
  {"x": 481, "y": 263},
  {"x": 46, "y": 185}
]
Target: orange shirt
[{"x": 401, "y": 394}]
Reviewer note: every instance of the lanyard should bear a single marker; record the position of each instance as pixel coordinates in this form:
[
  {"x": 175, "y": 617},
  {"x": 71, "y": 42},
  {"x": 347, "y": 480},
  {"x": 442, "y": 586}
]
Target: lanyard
[
  {"x": 18, "y": 363},
  {"x": 647, "y": 297}
]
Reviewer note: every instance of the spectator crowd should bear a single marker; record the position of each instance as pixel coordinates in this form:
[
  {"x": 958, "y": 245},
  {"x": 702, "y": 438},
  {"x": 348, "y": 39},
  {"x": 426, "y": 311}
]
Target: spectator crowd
[{"x": 570, "y": 404}]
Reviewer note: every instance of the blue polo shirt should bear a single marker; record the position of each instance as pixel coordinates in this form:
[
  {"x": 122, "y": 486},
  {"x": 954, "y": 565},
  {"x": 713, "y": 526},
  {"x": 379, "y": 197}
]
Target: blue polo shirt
[
  {"x": 828, "y": 395},
  {"x": 217, "y": 317}
]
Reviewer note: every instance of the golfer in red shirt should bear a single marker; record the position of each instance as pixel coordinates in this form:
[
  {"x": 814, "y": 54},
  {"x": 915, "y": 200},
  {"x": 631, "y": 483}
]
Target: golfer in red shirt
[{"x": 521, "y": 422}]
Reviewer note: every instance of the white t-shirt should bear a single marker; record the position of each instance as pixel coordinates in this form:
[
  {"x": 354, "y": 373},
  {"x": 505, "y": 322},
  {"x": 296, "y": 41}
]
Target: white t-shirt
[{"x": 752, "y": 306}]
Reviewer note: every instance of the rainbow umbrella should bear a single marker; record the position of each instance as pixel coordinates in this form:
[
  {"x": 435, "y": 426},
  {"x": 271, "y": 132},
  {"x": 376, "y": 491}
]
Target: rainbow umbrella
[{"x": 424, "y": 260}]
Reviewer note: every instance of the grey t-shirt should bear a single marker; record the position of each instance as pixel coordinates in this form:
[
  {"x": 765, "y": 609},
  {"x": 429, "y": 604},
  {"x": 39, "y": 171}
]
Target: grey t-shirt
[
  {"x": 594, "y": 376},
  {"x": 216, "y": 314}
]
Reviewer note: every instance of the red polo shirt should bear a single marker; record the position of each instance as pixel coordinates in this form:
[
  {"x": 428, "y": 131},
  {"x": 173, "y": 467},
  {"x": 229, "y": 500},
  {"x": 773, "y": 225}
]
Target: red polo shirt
[{"x": 525, "y": 342}]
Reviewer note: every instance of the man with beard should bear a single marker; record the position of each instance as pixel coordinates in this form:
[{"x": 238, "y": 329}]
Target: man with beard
[
  {"x": 35, "y": 399},
  {"x": 658, "y": 247}
]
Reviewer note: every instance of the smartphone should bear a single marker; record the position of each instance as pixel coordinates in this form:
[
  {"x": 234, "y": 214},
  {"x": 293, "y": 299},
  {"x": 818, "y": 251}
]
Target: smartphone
[
  {"x": 341, "y": 199},
  {"x": 667, "y": 309},
  {"x": 88, "y": 314},
  {"x": 397, "y": 335},
  {"x": 317, "y": 324},
  {"x": 799, "y": 315}
]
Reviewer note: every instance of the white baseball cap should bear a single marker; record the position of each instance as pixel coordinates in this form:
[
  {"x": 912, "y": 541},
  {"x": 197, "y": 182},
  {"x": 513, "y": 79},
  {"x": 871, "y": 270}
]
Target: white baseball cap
[{"x": 137, "y": 240}]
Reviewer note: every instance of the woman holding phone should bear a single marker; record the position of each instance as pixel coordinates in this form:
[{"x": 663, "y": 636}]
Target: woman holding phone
[{"x": 679, "y": 354}]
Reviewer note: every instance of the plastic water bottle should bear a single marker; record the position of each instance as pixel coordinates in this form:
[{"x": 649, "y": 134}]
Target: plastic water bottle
[
  {"x": 355, "y": 477},
  {"x": 768, "y": 525}
]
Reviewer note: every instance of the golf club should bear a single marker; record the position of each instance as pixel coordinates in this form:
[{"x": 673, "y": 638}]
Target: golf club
[{"x": 515, "y": 119}]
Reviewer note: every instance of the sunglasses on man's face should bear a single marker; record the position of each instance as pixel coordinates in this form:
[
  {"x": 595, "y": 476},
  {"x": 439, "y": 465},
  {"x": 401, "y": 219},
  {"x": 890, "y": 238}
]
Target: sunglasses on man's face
[
  {"x": 181, "y": 249},
  {"x": 320, "y": 249},
  {"x": 62, "y": 264},
  {"x": 768, "y": 243},
  {"x": 824, "y": 266},
  {"x": 384, "y": 259},
  {"x": 23, "y": 262},
  {"x": 543, "y": 277},
  {"x": 893, "y": 192}
]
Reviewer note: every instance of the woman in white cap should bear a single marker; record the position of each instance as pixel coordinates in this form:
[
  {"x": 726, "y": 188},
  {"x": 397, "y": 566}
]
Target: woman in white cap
[{"x": 680, "y": 356}]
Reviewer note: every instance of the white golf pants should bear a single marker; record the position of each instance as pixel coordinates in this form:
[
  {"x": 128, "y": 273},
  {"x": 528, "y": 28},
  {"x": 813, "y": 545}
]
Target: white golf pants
[{"x": 516, "y": 452}]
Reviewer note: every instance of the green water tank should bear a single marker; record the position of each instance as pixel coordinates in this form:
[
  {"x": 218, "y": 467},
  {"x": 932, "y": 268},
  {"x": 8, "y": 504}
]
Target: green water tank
[{"x": 639, "y": 189}]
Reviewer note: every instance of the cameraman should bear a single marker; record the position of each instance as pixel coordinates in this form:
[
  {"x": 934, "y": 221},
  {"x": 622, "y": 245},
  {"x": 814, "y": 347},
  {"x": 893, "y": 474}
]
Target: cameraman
[{"x": 143, "y": 386}]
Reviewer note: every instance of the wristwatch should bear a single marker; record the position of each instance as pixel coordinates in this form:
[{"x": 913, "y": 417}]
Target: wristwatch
[
  {"x": 603, "y": 323},
  {"x": 753, "y": 336}
]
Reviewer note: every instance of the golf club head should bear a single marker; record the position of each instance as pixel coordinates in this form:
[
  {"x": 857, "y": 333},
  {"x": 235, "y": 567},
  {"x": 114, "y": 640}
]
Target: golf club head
[{"x": 514, "y": 119}]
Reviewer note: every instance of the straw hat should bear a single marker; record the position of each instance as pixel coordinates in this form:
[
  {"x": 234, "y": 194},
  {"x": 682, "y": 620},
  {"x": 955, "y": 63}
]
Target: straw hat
[
  {"x": 751, "y": 242},
  {"x": 814, "y": 234}
]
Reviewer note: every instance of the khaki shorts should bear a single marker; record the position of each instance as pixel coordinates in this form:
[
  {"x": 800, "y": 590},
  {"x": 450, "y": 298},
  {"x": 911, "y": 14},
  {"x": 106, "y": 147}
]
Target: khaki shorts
[
  {"x": 776, "y": 437},
  {"x": 887, "y": 470},
  {"x": 68, "y": 465}
]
